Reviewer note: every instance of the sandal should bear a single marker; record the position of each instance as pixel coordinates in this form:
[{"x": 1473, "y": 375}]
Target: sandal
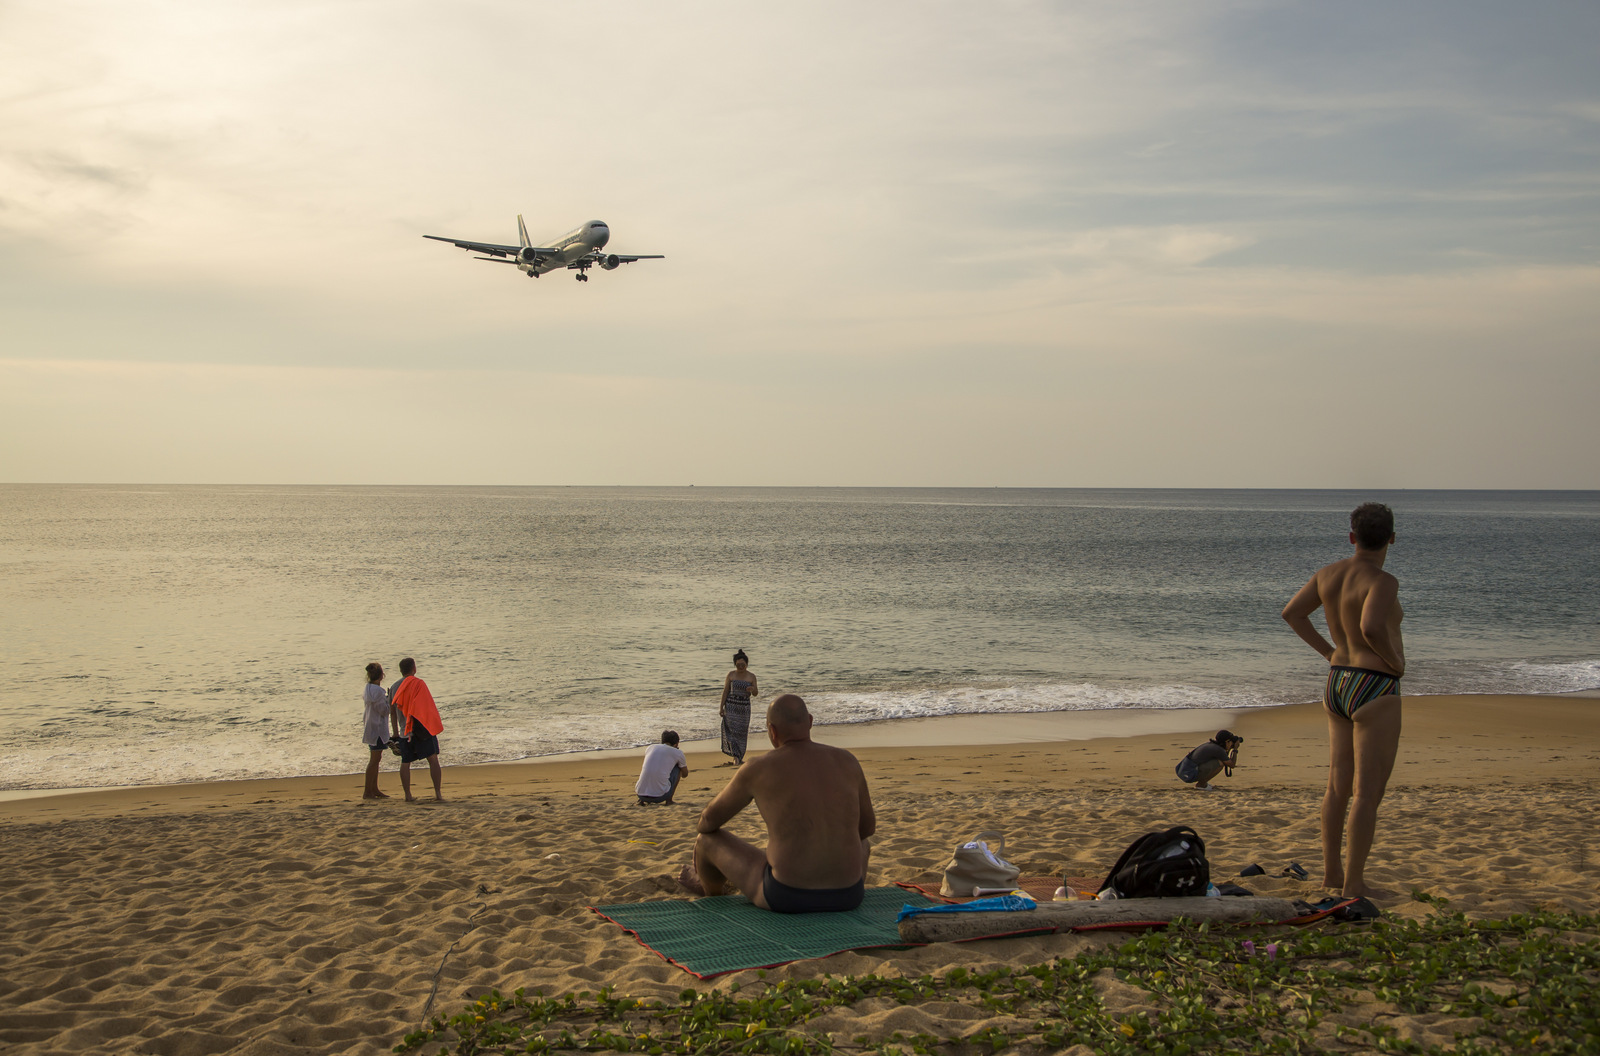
[{"x": 1358, "y": 911}]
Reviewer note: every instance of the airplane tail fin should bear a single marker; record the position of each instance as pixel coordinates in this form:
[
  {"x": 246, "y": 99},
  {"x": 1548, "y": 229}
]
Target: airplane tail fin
[{"x": 522, "y": 231}]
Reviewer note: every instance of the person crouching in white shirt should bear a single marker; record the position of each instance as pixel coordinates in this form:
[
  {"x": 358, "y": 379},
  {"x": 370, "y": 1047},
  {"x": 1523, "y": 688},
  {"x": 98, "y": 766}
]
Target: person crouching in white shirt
[{"x": 664, "y": 766}]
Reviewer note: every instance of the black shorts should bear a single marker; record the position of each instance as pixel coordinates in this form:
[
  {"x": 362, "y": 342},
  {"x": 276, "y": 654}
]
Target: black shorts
[{"x": 419, "y": 746}]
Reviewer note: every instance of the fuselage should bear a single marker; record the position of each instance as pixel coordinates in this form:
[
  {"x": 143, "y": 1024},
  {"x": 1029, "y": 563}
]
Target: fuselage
[{"x": 575, "y": 244}]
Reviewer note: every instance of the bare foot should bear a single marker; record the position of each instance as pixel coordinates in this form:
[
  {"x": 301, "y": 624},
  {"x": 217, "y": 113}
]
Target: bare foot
[
  {"x": 374, "y": 795},
  {"x": 412, "y": 799},
  {"x": 690, "y": 880}
]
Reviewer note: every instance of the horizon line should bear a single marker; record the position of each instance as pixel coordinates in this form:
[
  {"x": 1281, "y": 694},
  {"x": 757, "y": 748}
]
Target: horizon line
[{"x": 778, "y": 487}]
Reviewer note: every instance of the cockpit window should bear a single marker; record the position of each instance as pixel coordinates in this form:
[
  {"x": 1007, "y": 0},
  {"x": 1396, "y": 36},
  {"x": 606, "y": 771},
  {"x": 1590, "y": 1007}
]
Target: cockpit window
[{"x": 597, "y": 224}]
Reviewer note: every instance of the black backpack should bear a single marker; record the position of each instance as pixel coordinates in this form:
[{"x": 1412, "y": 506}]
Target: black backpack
[{"x": 1169, "y": 864}]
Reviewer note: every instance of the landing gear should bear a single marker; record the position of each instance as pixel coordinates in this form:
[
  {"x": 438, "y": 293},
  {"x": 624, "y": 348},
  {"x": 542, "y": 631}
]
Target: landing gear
[{"x": 581, "y": 277}]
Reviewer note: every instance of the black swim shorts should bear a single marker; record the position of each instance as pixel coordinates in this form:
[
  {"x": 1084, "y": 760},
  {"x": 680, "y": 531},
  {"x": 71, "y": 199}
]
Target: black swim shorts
[
  {"x": 419, "y": 746},
  {"x": 781, "y": 898}
]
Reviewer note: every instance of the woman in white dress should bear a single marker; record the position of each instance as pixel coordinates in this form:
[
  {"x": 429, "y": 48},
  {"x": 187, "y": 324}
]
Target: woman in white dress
[{"x": 375, "y": 733}]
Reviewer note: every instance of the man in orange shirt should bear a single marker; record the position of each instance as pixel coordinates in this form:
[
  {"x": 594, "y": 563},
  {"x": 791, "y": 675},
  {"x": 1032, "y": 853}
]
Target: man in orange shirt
[{"x": 410, "y": 697}]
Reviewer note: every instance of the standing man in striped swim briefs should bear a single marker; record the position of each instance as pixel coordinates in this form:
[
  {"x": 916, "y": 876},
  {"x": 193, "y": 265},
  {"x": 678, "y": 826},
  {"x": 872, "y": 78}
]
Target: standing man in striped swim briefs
[{"x": 1366, "y": 659}]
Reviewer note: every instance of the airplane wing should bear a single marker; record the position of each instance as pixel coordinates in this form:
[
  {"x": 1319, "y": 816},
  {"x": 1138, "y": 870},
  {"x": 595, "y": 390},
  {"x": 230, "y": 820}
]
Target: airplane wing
[
  {"x": 490, "y": 248},
  {"x": 604, "y": 259}
]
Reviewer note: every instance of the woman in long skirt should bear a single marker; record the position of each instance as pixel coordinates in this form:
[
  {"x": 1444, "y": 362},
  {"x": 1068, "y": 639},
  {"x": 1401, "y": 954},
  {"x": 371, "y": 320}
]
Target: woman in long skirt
[{"x": 737, "y": 690}]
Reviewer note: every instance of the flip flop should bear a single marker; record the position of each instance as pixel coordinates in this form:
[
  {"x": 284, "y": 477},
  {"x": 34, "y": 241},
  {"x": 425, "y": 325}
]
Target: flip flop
[
  {"x": 1344, "y": 910},
  {"x": 1296, "y": 870},
  {"x": 1252, "y": 870},
  {"x": 1358, "y": 912}
]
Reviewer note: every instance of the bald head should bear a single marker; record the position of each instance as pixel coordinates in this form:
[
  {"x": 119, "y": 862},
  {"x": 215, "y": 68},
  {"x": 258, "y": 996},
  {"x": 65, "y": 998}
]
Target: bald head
[{"x": 788, "y": 717}]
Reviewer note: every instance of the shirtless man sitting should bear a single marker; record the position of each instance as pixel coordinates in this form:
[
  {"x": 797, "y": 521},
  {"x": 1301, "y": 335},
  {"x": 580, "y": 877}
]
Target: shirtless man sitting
[
  {"x": 1362, "y": 696},
  {"x": 814, "y": 800}
]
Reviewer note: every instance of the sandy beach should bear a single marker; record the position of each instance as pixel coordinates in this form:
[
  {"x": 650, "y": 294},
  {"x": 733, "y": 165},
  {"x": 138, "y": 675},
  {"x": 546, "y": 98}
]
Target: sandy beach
[{"x": 288, "y": 916}]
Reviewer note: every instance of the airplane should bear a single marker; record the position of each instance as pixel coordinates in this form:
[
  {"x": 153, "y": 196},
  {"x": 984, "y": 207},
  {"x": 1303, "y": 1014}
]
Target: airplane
[{"x": 578, "y": 250}]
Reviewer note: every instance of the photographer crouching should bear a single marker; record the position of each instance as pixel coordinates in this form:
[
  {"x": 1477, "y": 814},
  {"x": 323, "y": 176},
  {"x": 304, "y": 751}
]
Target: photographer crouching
[{"x": 1219, "y": 754}]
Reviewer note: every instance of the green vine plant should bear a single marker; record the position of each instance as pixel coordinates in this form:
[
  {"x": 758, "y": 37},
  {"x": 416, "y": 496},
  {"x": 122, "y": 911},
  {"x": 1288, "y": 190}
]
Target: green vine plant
[{"x": 1523, "y": 984}]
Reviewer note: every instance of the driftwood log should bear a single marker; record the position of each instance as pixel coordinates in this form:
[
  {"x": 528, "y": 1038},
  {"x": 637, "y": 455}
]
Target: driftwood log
[{"x": 1064, "y": 916}]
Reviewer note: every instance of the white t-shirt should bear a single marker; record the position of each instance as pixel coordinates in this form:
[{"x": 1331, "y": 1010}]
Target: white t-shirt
[
  {"x": 655, "y": 776},
  {"x": 375, "y": 729}
]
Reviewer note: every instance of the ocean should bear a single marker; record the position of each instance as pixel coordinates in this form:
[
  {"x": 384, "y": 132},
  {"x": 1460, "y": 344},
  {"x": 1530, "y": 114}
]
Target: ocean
[{"x": 155, "y": 634}]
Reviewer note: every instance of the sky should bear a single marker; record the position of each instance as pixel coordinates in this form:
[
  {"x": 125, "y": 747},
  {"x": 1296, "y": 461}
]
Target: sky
[{"x": 1097, "y": 244}]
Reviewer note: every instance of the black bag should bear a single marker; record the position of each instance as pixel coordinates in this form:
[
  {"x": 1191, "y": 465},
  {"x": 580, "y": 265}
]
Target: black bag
[
  {"x": 1170, "y": 864},
  {"x": 1188, "y": 770}
]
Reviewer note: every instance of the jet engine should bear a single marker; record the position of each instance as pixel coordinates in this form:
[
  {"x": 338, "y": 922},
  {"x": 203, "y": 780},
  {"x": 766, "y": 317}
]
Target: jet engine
[
  {"x": 527, "y": 256},
  {"x": 611, "y": 262}
]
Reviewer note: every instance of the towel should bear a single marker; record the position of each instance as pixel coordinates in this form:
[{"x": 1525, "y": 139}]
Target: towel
[
  {"x": 416, "y": 703},
  {"x": 1000, "y": 903}
]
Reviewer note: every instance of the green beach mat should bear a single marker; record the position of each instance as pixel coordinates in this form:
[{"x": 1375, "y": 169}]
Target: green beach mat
[{"x": 724, "y": 933}]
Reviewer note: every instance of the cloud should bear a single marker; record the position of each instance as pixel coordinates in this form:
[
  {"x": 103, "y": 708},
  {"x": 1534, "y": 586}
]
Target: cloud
[
  {"x": 910, "y": 200},
  {"x": 1143, "y": 247}
]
